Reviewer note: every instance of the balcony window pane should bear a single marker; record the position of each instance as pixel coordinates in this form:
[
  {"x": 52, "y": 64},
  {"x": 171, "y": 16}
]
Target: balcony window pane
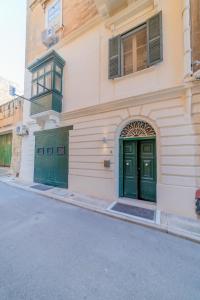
[
  {"x": 40, "y": 88},
  {"x": 58, "y": 83},
  {"x": 58, "y": 69},
  {"x": 34, "y": 89},
  {"x": 34, "y": 75},
  {"x": 40, "y": 72},
  {"x": 48, "y": 81},
  {"x": 48, "y": 68}
]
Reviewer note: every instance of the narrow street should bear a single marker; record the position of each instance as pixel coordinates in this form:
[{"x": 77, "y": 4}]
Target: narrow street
[{"x": 50, "y": 250}]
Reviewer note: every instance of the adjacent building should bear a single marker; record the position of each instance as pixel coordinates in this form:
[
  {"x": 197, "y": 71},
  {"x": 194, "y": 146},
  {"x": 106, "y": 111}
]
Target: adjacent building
[
  {"x": 11, "y": 114},
  {"x": 115, "y": 100}
]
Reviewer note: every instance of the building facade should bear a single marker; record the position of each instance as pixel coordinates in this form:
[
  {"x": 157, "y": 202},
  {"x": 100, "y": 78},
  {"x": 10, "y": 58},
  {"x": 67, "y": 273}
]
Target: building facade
[
  {"x": 115, "y": 109},
  {"x": 11, "y": 114},
  {"x": 4, "y": 90}
]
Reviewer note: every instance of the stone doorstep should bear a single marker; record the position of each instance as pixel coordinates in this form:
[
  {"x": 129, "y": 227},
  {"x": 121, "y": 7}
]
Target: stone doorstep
[{"x": 168, "y": 223}]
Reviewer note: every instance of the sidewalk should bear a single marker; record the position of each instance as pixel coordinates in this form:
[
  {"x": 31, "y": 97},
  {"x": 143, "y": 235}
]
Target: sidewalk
[{"x": 167, "y": 223}]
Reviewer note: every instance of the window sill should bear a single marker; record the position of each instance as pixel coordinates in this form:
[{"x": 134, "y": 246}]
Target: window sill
[{"x": 135, "y": 74}]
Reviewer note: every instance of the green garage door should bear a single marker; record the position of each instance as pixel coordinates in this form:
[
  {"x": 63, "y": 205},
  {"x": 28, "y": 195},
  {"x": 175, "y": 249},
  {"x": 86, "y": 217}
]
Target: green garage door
[
  {"x": 5, "y": 150},
  {"x": 51, "y": 157}
]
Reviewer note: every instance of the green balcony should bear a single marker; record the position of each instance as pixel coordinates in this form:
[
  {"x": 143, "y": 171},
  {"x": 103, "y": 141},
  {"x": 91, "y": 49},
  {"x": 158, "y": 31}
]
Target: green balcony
[
  {"x": 48, "y": 101},
  {"x": 47, "y": 73}
]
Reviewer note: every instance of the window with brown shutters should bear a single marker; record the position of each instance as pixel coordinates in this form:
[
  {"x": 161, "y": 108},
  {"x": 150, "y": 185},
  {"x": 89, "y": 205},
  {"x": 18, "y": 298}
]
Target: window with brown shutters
[
  {"x": 134, "y": 51},
  {"x": 155, "y": 52},
  {"x": 137, "y": 49},
  {"x": 114, "y": 57},
  {"x": 195, "y": 34}
]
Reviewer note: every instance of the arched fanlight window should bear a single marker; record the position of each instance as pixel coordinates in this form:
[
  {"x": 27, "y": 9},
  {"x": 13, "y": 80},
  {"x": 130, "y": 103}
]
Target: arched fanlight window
[{"x": 138, "y": 129}]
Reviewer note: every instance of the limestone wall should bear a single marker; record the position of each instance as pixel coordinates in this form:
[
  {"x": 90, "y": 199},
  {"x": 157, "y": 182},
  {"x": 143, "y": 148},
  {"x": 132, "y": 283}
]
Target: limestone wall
[{"x": 178, "y": 158}]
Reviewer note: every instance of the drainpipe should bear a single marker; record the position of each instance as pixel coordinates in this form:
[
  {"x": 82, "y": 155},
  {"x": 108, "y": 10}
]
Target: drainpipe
[{"x": 187, "y": 39}]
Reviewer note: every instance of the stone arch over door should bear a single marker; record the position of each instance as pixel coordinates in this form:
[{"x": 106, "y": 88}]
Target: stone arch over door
[
  {"x": 137, "y": 161},
  {"x": 138, "y": 128}
]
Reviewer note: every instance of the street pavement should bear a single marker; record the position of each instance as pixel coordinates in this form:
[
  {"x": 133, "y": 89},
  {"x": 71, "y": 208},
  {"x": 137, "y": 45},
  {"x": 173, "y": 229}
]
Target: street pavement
[{"x": 53, "y": 251}]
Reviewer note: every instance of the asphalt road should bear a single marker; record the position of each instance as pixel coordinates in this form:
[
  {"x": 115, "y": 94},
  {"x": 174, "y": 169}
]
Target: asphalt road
[{"x": 53, "y": 251}]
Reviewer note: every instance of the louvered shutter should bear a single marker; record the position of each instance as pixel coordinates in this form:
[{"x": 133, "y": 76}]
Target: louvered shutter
[
  {"x": 155, "y": 43},
  {"x": 114, "y": 57}
]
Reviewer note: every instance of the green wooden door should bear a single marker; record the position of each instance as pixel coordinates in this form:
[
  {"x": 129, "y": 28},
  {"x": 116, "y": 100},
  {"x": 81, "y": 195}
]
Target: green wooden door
[
  {"x": 147, "y": 170},
  {"x": 130, "y": 169},
  {"x": 51, "y": 157},
  {"x": 138, "y": 169},
  {"x": 5, "y": 150}
]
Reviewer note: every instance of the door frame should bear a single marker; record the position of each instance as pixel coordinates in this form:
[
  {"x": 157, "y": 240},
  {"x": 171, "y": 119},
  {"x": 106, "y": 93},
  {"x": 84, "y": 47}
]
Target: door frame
[{"x": 121, "y": 162}]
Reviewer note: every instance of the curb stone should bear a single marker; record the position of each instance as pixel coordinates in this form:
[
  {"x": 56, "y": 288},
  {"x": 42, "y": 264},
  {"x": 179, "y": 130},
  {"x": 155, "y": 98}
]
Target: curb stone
[{"x": 162, "y": 228}]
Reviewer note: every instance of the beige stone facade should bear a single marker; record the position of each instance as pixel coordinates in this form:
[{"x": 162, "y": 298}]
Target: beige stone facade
[{"x": 165, "y": 95}]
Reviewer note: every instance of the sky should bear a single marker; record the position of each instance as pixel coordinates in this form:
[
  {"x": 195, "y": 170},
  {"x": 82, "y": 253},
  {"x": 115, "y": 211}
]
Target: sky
[{"x": 12, "y": 40}]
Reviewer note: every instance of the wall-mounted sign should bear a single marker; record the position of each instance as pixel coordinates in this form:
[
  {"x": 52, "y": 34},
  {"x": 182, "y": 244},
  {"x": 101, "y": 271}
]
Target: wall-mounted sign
[
  {"x": 54, "y": 14},
  {"x": 12, "y": 90}
]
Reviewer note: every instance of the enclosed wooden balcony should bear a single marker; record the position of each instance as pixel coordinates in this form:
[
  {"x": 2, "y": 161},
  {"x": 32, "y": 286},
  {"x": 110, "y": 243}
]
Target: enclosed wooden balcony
[
  {"x": 47, "y": 73},
  {"x": 46, "y": 102}
]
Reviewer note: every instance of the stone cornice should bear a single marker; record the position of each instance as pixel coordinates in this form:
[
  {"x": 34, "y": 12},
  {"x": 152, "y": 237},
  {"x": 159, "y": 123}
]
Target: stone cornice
[
  {"x": 129, "y": 12},
  {"x": 49, "y": 56},
  {"x": 160, "y": 95}
]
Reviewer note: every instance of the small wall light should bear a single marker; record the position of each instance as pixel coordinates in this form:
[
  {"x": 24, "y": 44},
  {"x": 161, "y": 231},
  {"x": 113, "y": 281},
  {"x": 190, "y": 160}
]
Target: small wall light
[
  {"x": 104, "y": 140},
  {"x": 107, "y": 163}
]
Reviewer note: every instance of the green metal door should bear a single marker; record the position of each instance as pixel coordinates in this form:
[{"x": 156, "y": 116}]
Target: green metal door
[
  {"x": 147, "y": 170},
  {"x": 51, "y": 157},
  {"x": 138, "y": 169},
  {"x": 130, "y": 169},
  {"x": 5, "y": 150}
]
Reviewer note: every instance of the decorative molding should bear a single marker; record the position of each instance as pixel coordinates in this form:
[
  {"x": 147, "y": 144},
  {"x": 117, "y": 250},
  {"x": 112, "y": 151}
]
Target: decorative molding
[
  {"x": 138, "y": 129},
  {"x": 160, "y": 95},
  {"x": 46, "y": 120},
  {"x": 102, "y": 8},
  {"x": 107, "y": 7},
  {"x": 129, "y": 12}
]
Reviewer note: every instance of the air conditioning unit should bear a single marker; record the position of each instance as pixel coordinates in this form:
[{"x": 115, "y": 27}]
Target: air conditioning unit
[
  {"x": 49, "y": 37},
  {"x": 21, "y": 130}
]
